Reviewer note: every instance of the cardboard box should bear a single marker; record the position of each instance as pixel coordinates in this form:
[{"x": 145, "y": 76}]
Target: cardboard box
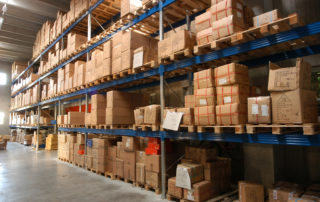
[
  {"x": 140, "y": 173},
  {"x": 232, "y": 94},
  {"x": 129, "y": 168},
  {"x": 204, "y": 79},
  {"x": 107, "y": 49},
  {"x": 145, "y": 54},
  {"x": 130, "y": 143},
  {"x": 284, "y": 191},
  {"x": 231, "y": 74},
  {"x": 205, "y": 116},
  {"x": 290, "y": 78},
  {"x": 152, "y": 114},
  {"x": 173, "y": 190},
  {"x": 139, "y": 116},
  {"x": 76, "y": 118},
  {"x": 227, "y": 8},
  {"x": 231, "y": 114},
  {"x": 189, "y": 101},
  {"x": 112, "y": 153},
  {"x": 152, "y": 163},
  {"x": 153, "y": 179},
  {"x": 201, "y": 191},
  {"x": 119, "y": 168},
  {"x": 250, "y": 192},
  {"x": 259, "y": 110},
  {"x": 141, "y": 157},
  {"x": 297, "y": 106},
  {"x": 119, "y": 116},
  {"x": 201, "y": 155},
  {"x": 165, "y": 47},
  {"x": 203, "y": 21},
  {"x": 182, "y": 40},
  {"x": 120, "y": 99},
  {"x": 266, "y": 18},
  {"x": 80, "y": 138},
  {"x": 221, "y": 28},
  {"x": 205, "y": 97},
  {"x": 188, "y": 174},
  {"x": 129, "y": 6},
  {"x": 188, "y": 116}
]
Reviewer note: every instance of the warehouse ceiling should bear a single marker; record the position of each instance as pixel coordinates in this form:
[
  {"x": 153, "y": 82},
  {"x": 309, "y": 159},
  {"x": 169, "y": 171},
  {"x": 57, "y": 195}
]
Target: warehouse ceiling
[{"x": 22, "y": 20}]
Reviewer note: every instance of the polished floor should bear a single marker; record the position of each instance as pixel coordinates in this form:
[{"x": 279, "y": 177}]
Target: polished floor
[{"x": 29, "y": 176}]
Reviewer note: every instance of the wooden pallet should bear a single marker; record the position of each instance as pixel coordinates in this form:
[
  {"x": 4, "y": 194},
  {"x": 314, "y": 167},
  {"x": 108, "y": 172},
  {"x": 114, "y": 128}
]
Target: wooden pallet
[
  {"x": 138, "y": 184},
  {"x": 145, "y": 7},
  {"x": 146, "y": 127},
  {"x": 278, "y": 129},
  {"x": 115, "y": 126},
  {"x": 173, "y": 198},
  {"x": 237, "y": 129},
  {"x": 79, "y": 165},
  {"x": 110, "y": 175},
  {"x": 179, "y": 55},
  {"x": 93, "y": 126},
  {"x": 122, "y": 74},
  {"x": 150, "y": 188},
  {"x": 145, "y": 67},
  {"x": 253, "y": 33},
  {"x": 184, "y": 128}
]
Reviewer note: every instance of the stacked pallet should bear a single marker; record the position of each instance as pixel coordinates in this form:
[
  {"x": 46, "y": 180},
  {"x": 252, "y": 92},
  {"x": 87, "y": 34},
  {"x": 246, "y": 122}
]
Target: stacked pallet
[{"x": 200, "y": 176}]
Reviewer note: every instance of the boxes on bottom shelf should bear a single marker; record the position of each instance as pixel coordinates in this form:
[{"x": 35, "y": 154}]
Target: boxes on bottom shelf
[
  {"x": 284, "y": 191},
  {"x": 250, "y": 192},
  {"x": 188, "y": 174},
  {"x": 201, "y": 191},
  {"x": 173, "y": 190},
  {"x": 153, "y": 179},
  {"x": 140, "y": 173},
  {"x": 231, "y": 114},
  {"x": 201, "y": 155},
  {"x": 259, "y": 110}
]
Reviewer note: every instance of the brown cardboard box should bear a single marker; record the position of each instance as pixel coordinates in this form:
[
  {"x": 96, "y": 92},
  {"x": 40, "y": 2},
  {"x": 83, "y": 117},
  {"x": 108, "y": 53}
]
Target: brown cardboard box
[
  {"x": 189, "y": 101},
  {"x": 152, "y": 114},
  {"x": 227, "y": 8},
  {"x": 205, "y": 116},
  {"x": 250, "y": 192},
  {"x": 259, "y": 110},
  {"x": 107, "y": 49},
  {"x": 221, "y": 28},
  {"x": 201, "y": 191},
  {"x": 139, "y": 116},
  {"x": 284, "y": 191},
  {"x": 80, "y": 138},
  {"x": 146, "y": 53},
  {"x": 290, "y": 78},
  {"x": 204, "y": 79},
  {"x": 60, "y": 119},
  {"x": 165, "y": 47},
  {"x": 188, "y": 116},
  {"x": 119, "y": 168},
  {"x": 153, "y": 179},
  {"x": 129, "y": 7},
  {"x": 201, "y": 155},
  {"x": 87, "y": 119},
  {"x": 76, "y": 118},
  {"x": 231, "y": 114},
  {"x": 308, "y": 196},
  {"x": 140, "y": 173},
  {"x": 130, "y": 143},
  {"x": 129, "y": 160},
  {"x": 266, "y": 18},
  {"x": 182, "y": 40},
  {"x": 205, "y": 97},
  {"x": 203, "y": 21},
  {"x": 153, "y": 163},
  {"x": 119, "y": 99},
  {"x": 173, "y": 190},
  {"x": 119, "y": 116},
  {"x": 231, "y": 74},
  {"x": 66, "y": 119},
  {"x": 188, "y": 174},
  {"x": 236, "y": 93},
  {"x": 140, "y": 157},
  {"x": 112, "y": 153},
  {"x": 297, "y": 106}
]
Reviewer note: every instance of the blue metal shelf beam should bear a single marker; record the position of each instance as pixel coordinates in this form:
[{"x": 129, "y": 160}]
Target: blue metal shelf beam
[
  {"x": 263, "y": 138},
  {"x": 58, "y": 39}
]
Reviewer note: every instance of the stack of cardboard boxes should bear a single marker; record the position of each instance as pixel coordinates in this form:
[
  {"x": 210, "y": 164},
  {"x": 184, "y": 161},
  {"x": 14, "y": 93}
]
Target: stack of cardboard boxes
[
  {"x": 79, "y": 156},
  {"x": 61, "y": 84},
  {"x": 17, "y": 68},
  {"x": 62, "y": 140},
  {"x": 204, "y": 98},
  {"x": 201, "y": 175},
  {"x": 292, "y": 99},
  {"x": 232, "y": 81},
  {"x": 129, "y": 7},
  {"x": 224, "y": 18},
  {"x": 74, "y": 42},
  {"x": 100, "y": 152},
  {"x": 68, "y": 77},
  {"x": 79, "y": 73},
  {"x": 98, "y": 112},
  {"x": 250, "y": 192},
  {"x": 52, "y": 142}
]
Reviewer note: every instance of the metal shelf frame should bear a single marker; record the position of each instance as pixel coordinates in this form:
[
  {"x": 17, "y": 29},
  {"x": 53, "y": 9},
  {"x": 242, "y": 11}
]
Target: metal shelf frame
[
  {"x": 30, "y": 127},
  {"x": 58, "y": 39}
]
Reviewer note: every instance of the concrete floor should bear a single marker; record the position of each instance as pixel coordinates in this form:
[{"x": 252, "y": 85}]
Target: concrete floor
[{"x": 29, "y": 176}]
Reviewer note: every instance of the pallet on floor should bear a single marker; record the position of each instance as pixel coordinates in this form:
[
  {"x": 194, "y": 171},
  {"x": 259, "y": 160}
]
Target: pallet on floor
[
  {"x": 237, "y": 129},
  {"x": 150, "y": 188},
  {"x": 110, "y": 175},
  {"x": 279, "y": 129},
  {"x": 146, "y": 127},
  {"x": 173, "y": 198}
]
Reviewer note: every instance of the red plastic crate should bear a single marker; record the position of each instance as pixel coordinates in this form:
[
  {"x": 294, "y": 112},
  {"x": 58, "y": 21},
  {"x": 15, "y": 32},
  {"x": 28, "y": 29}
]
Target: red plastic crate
[
  {"x": 81, "y": 152},
  {"x": 150, "y": 151}
]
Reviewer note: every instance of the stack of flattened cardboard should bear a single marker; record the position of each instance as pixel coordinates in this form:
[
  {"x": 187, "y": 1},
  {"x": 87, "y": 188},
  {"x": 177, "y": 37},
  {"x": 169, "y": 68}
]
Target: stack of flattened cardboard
[
  {"x": 232, "y": 92},
  {"x": 292, "y": 99}
]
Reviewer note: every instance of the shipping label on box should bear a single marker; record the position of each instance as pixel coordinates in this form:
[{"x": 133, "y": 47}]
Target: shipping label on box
[{"x": 259, "y": 110}]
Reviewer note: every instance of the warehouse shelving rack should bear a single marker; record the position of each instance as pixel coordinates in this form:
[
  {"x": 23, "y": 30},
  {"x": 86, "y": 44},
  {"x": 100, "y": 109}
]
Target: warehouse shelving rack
[{"x": 160, "y": 73}]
